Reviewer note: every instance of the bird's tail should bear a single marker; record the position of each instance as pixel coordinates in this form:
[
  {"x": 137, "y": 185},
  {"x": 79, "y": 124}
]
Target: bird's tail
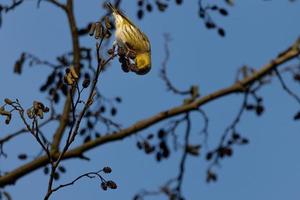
[{"x": 111, "y": 7}]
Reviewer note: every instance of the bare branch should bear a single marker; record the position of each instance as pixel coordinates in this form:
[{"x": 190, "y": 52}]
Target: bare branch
[{"x": 238, "y": 87}]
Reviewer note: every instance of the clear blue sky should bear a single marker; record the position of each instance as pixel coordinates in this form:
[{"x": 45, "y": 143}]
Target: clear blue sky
[{"x": 257, "y": 30}]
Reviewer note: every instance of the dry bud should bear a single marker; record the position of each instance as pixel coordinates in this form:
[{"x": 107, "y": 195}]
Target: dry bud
[
  {"x": 22, "y": 156},
  {"x": 104, "y": 186},
  {"x": 131, "y": 54},
  {"x": 121, "y": 51},
  {"x": 211, "y": 176},
  {"x": 68, "y": 79},
  {"x": 8, "y": 101},
  {"x": 73, "y": 72},
  {"x": 111, "y": 184},
  {"x": 4, "y": 112},
  {"x": 92, "y": 29},
  {"x": 107, "y": 33},
  {"x": 99, "y": 31},
  {"x": 195, "y": 91},
  {"x": 67, "y": 70},
  {"x": 107, "y": 23},
  {"x": 110, "y": 51},
  {"x": 86, "y": 83},
  {"x": 38, "y": 105},
  {"x": 91, "y": 100},
  {"x": 30, "y": 113},
  {"x": 8, "y": 118},
  {"x": 40, "y": 113},
  {"x": 107, "y": 170},
  {"x": 46, "y": 109},
  {"x": 193, "y": 149}
]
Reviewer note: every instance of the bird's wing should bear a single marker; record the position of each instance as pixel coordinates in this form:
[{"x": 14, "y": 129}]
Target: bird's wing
[
  {"x": 138, "y": 46},
  {"x": 140, "y": 43}
]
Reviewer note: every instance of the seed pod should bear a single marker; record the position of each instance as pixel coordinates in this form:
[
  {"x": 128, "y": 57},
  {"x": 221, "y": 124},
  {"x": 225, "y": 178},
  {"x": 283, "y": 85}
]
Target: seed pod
[
  {"x": 8, "y": 101},
  {"x": 107, "y": 170},
  {"x": 91, "y": 100},
  {"x": 140, "y": 14},
  {"x": 4, "y": 112},
  {"x": 40, "y": 113},
  {"x": 111, "y": 184},
  {"x": 8, "y": 118},
  {"x": 62, "y": 169},
  {"x": 46, "y": 170},
  {"x": 46, "y": 109},
  {"x": 22, "y": 156},
  {"x": 131, "y": 55},
  {"x": 104, "y": 186},
  {"x": 149, "y": 7},
  {"x": 67, "y": 70},
  {"x": 110, "y": 51},
  {"x": 92, "y": 29},
  {"x": 193, "y": 149},
  {"x": 107, "y": 33},
  {"x": 121, "y": 51},
  {"x": 56, "y": 176},
  {"x": 99, "y": 31},
  {"x": 140, "y": 2},
  {"x": 107, "y": 23},
  {"x": 86, "y": 83},
  {"x": 30, "y": 113},
  {"x": 38, "y": 105},
  {"x": 73, "y": 72},
  {"x": 125, "y": 68},
  {"x": 69, "y": 80}
]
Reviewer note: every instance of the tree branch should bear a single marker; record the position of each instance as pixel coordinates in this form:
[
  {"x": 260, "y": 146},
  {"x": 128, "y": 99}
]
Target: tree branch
[
  {"x": 76, "y": 61},
  {"x": 291, "y": 53}
]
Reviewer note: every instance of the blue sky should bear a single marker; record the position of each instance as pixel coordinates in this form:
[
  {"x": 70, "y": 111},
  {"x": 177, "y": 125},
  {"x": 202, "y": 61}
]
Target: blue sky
[{"x": 256, "y": 30}]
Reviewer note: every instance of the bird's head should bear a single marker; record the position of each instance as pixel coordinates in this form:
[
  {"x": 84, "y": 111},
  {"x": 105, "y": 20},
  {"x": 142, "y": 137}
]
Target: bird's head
[{"x": 143, "y": 63}]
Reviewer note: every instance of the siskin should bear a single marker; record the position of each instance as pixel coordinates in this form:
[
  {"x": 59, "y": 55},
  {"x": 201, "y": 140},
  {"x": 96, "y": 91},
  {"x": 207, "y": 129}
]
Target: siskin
[{"x": 129, "y": 37}]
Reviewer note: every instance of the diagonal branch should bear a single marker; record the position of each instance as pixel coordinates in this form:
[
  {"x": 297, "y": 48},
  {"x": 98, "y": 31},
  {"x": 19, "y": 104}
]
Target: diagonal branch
[{"x": 291, "y": 53}]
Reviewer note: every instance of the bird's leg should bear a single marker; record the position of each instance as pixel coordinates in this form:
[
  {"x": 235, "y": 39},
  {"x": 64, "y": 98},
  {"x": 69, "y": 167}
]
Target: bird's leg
[
  {"x": 133, "y": 68},
  {"x": 129, "y": 52}
]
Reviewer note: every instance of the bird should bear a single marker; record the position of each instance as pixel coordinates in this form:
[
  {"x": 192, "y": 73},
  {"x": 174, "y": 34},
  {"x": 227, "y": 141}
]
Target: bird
[{"x": 132, "y": 39}]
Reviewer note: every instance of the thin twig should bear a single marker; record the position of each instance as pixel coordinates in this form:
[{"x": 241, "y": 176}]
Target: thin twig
[
  {"x": 184, "y": 156},
  {"x": 76, "y": 152},
  {"x": 89, "y": 175},
  {"x": 163, "y": 71},
  {"x": 285, "y": 87}
]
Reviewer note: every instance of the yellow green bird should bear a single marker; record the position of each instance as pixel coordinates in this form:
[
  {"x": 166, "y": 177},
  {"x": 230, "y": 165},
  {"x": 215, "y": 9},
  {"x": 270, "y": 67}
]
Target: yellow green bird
[{"x": 129, "y": 37}]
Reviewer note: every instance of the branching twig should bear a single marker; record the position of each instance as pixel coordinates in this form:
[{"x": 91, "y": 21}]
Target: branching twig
[
  {"x": 184, "y": 156},
  {"x": 89, "y": 175},
  {"x": 24, "y": 130},
  {"x": 285, "y": 87},
  {"x": 205, "y": 126},
  {"x": 238, "y": 87},
  {"x": 218, "y": 152},
  {"x": 163, "y": 71}
]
